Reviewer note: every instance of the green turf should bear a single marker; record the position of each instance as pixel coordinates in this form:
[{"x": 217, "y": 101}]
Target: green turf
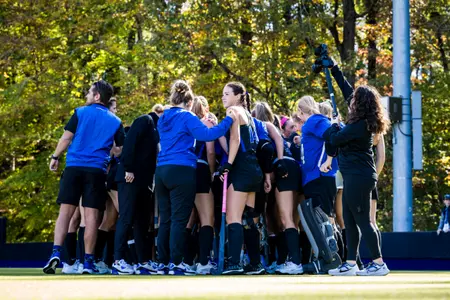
[{"x": 33, "y": 284}]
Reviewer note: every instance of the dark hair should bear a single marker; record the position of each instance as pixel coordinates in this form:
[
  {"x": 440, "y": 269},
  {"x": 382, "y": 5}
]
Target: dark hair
[
  {"x": 180, "y": 93},
  {"x": 277, "y": 122},
  {"x": 104, "y": 89},
  {"x": 239, "y": 88},
  {"x": 111, "y": 101},
  {"x": 366, "y": 105},
  {"x": 126, "y": 129}
]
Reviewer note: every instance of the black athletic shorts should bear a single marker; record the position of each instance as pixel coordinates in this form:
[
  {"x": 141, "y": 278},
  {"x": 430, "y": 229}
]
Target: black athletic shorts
[
  {"x": 375, "y": 194},
  {"x": 322, "y": 191},
  {"x": 292, "y": 181},
  {"x": 111, "y": 183},
  {"x": 83, "y": 182},
  {"x": 246, "y": 175},
  {"x": 203, "y": 175}
]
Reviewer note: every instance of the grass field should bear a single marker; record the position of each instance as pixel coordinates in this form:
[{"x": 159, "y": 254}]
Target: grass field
[{"x": 33, "y": 284}]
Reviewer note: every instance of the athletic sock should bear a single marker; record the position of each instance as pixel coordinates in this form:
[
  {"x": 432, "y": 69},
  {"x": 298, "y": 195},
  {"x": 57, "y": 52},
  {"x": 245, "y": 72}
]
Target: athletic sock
[
  {"x": 252, "y": 240},
  {"x": 306, "y": 247},
  {"x": 80, "y": 243},
  {"x": 206, "y": 237},
  {"x": 293, "y": 245},
  {"x": 102, "y": 237},
  {"x": 281, "y": 248},
  {"x": 57, "y": 248},
  {"x": 272, "y": 241},
  {"x": 89, "y": 257},
  {"x": 190, "y": 247},
  {"x": 70, "y": 244},
  {"x": 235, "y": 241}
]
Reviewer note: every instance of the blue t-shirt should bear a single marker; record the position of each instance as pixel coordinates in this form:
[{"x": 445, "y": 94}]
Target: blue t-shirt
[{"x": 95, "y": 128}]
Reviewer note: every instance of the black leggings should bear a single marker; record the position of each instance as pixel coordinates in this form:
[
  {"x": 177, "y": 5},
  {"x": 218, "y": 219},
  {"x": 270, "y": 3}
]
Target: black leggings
[
  {"x": 356, "y": 208},
  {"x": 175, "y": 192}
]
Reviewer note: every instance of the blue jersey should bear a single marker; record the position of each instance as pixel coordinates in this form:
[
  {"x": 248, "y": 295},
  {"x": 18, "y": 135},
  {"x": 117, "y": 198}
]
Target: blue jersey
[
  {"x": 93, "y": 137},
  {"x": 313, "y": 148}
]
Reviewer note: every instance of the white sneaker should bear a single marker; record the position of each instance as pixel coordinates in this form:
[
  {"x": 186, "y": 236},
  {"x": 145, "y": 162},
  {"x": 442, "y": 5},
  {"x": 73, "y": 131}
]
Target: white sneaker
[
  {"x": 102, "y": 267},
  {"x": 72, "y": 269},
  {"x": 122, "y": 268},
  {"x": 204, "y": 269},
  {"x": 344, "y": 270},
  {"x": 290, "y": 268},
  {"x": 149, "y": 268},
  {"x": 181, "y": 269},
  {"x": 374, "y": 269}
]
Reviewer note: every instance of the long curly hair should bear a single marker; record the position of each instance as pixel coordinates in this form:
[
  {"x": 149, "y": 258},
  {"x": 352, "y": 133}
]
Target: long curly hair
[{"x": 366, "y": 105}]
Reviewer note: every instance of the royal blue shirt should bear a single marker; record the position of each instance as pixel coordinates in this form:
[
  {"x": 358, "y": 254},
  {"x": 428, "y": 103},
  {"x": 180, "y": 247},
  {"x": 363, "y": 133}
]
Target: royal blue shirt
[
  {"x": 313, "y": 149},
  {"x": 95, "y": 129},
  {"x": 179, "y": 129}
]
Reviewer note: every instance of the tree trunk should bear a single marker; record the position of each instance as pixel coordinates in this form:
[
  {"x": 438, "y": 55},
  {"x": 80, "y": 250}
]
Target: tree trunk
[
  {"x": 372, "y": 8},
  {"x": 348, "y": 44},
  {"x": 441, "y": 49}
]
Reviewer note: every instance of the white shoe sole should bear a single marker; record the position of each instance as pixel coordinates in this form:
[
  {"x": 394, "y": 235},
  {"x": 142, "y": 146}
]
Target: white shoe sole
[
  {"x": 342, "y": 274},
  {"x": 373, "y": 274}
]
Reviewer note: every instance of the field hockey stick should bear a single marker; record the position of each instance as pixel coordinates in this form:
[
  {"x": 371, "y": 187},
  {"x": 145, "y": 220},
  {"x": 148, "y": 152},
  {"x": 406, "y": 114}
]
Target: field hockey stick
[
  {"x": 222, "y": 226},
  {"x": 330, "y": 91}
]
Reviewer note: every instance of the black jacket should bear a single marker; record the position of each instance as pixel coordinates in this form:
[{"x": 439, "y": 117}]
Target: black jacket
[
  {"x": 355, "y": 148},
  {"x": 354, "y": 140},
  {"x": 139, "y": 152}
]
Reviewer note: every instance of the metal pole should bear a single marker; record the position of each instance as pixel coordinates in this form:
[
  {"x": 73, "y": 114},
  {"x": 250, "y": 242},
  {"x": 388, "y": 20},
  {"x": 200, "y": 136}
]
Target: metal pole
[{"x": 402, "y": 130}]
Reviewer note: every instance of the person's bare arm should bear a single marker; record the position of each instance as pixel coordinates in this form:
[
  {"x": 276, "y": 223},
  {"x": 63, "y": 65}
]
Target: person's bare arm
[
  {"x": 381, "y": 154},
  {"x": 235, "y": 140},
  {"x": 211, "y": 156},
  {"x": 62, "y": 146},
  {"x": 276, "y": 137}
]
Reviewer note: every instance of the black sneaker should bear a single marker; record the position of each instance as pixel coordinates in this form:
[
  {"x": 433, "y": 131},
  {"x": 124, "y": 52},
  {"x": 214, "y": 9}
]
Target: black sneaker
[
  {"x": 233, "y": 270},
  {"x": 254, "y": 269}
]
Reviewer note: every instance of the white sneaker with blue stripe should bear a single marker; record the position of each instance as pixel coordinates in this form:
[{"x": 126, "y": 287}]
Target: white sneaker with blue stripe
[
  {"x": 149, "y": 268},
  {"x": 344, "y": 270},
  {"x": 374, "y": 269},
  {"x": 181, "y": 269},
  {"x": 122, "y": 268},
  {"x": 163, "y": 269}
]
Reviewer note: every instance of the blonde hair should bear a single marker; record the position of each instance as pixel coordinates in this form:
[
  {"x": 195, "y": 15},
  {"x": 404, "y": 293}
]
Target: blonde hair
[
  {"x": 308, "y": 105},
  {"x": 326, "y": 109},
  {"x": 212, "y": 116},
  {"x": 198, "y": 107},
  {"x": 263, "y": 112}
]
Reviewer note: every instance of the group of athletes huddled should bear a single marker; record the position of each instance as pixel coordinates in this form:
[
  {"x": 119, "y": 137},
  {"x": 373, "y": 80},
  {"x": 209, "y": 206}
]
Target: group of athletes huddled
[{"x": 147, "y": 199}]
